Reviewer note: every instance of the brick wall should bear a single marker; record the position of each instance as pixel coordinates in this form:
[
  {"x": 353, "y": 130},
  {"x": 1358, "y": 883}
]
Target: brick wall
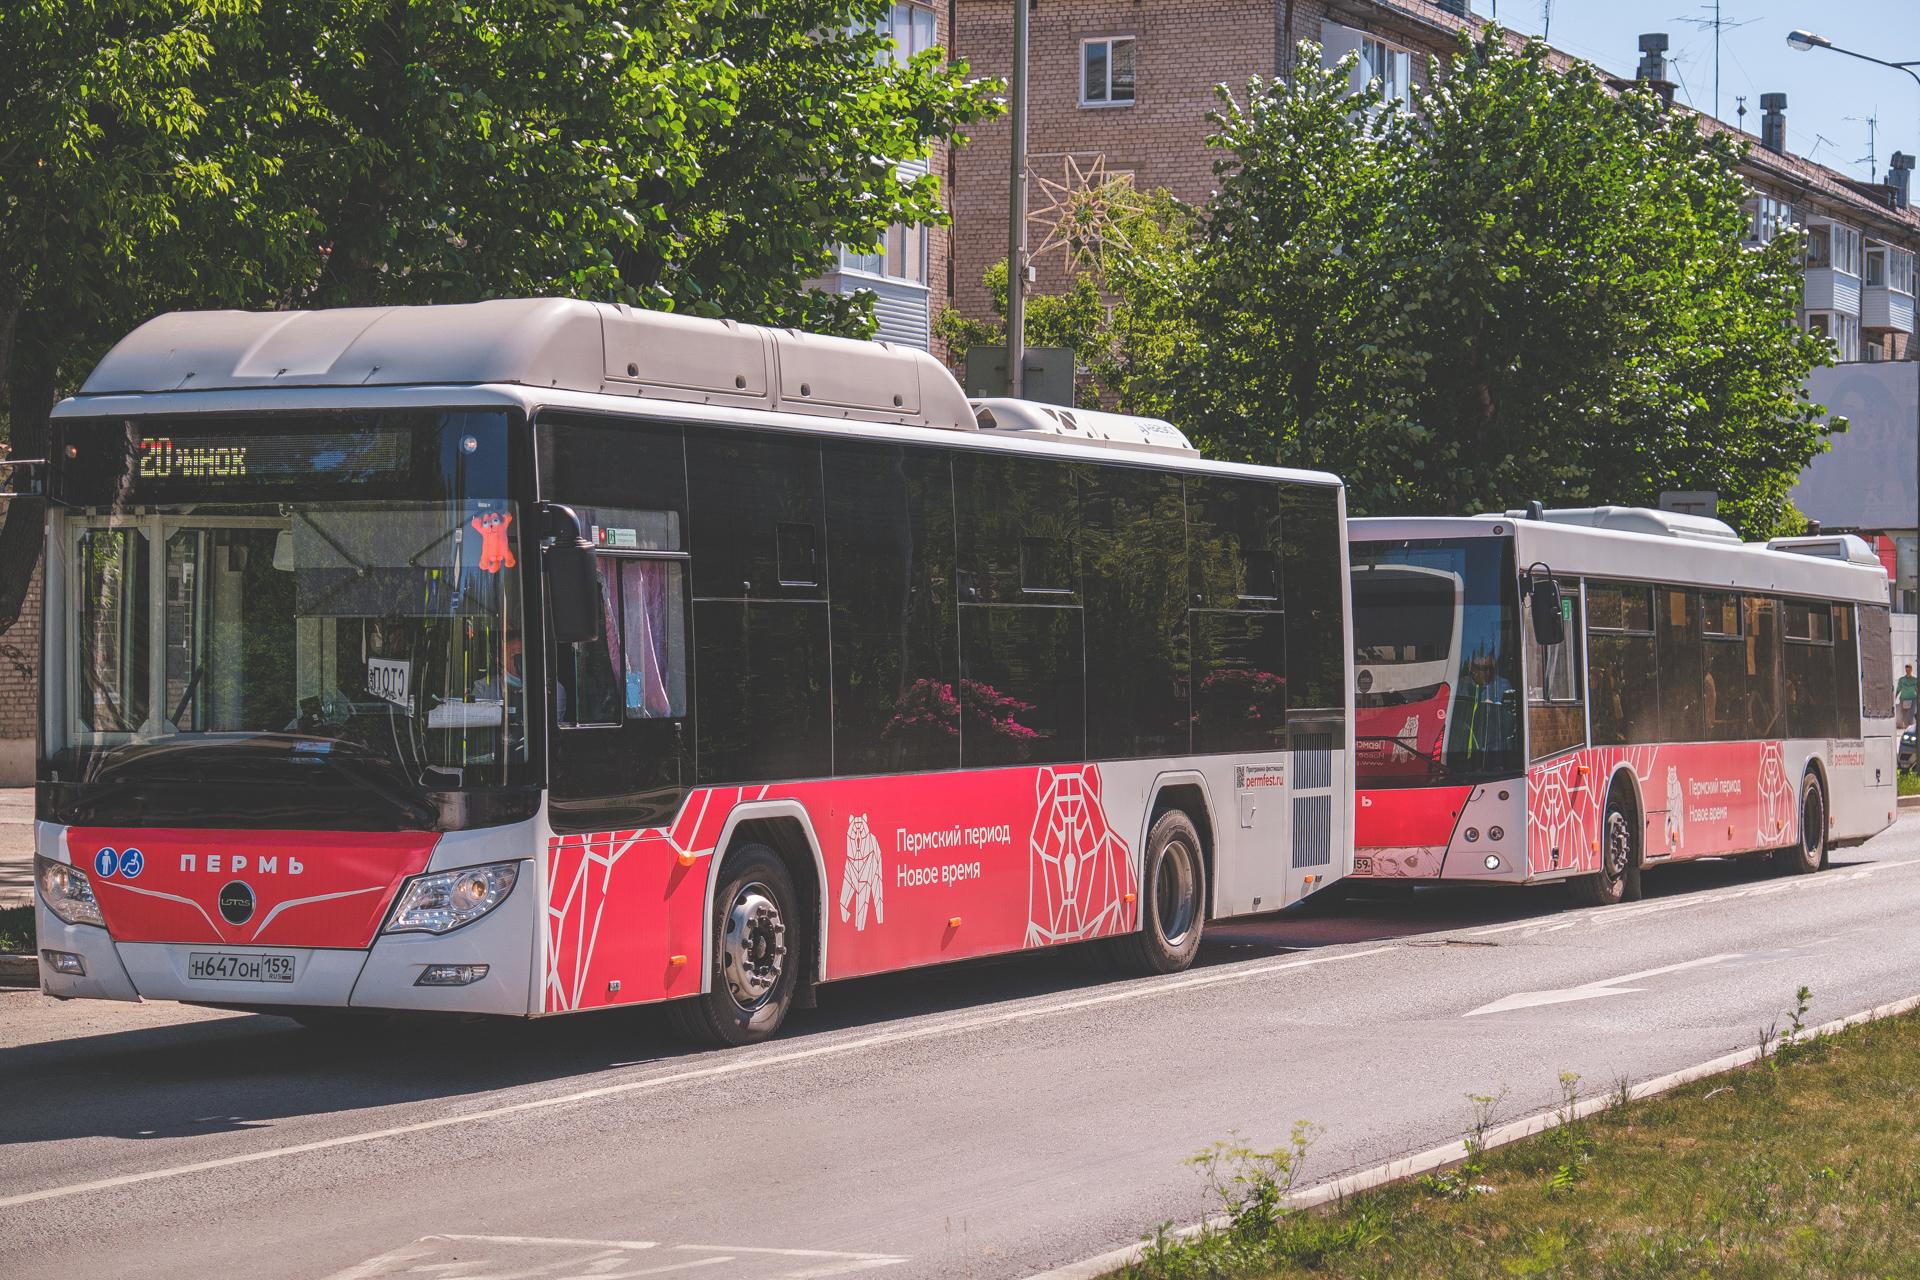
[
  {"x": 20, "y": 690},
  {"x": 1181, "y": 52},
  {"x": 940, "y": 239}
]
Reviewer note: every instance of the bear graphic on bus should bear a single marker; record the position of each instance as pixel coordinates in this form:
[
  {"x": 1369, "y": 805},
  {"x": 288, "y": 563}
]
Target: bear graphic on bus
[
  {"x": 860, "y": 880},
  {"x": 1676, "y": 811}
]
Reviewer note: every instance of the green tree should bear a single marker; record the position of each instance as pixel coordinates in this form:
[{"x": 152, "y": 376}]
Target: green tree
[
  {"x": 1121, "y": 315},
  {"x": 699, "y": 155},
  {"x": 1532, "y": 286}
]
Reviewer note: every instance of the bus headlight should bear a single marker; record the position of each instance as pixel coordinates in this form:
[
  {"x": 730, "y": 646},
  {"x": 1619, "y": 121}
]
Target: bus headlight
[
  {"x": 67, "y": 892},
  {"x": 445, "y": 900}
]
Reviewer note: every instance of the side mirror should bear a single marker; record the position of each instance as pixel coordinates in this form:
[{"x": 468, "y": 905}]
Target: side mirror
[
  {"x": 1548, "y": 627},
  {"x": 573, "y": 580}
]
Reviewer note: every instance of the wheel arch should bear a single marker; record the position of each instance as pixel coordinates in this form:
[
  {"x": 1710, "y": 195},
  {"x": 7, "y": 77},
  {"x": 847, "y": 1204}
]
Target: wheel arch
[
  {"x": 785, "y": 827},
  {"x": 1625, "y": 779},
  {"x": 1185, "y": 790},
  {"x": 1817, "y": 767}
]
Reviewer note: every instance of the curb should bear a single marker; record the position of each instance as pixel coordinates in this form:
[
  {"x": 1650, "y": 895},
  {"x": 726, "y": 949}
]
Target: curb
[
  {"x": 19, "y": 971},
  {"x": 1454, "y": 1152},
  {"x": 1910, "y": 802}
]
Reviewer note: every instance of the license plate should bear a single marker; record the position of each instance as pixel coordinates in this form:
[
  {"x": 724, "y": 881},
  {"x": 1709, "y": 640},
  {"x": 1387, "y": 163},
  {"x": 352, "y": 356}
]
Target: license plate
[{"x": 224, "y": 966}]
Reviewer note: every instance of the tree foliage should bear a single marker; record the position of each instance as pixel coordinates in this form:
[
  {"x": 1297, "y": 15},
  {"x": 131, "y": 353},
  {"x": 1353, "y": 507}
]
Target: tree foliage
[
  {"x": 695, "y": 155},
  {"x": 1122, "y": 317},
  {"x": 1533, "y": 286}
]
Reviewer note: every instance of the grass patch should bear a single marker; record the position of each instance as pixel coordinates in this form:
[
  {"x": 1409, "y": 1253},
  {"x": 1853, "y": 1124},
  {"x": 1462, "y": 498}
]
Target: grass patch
[
  {"x": 1806, "y": 1164},
  {"x": 1909, "y": 783},
  {"x": 16, "y": 929}
]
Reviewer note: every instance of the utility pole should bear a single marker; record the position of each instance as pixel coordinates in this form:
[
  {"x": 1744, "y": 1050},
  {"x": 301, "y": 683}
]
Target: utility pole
[{"x": 1017, "y": 207}]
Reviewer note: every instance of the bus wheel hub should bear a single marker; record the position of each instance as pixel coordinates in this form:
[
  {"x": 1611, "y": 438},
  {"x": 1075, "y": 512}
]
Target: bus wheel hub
[{"x": 755, "y": 946}]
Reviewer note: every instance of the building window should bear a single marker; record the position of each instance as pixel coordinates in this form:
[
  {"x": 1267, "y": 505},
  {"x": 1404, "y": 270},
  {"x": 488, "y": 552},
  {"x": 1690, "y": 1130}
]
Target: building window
[
  {"x": 1889, "y": 267},
  {"x": 1829, "y": 244},
  {"x": 1391, "y": 67},
  {"x": 911, "y": 28},
  {"x": 1839, "y": 328},
  {"x": 1769, "y": 215},
  {"x": 901, "y": 255},
  {"x": 1106, "y": 72}
]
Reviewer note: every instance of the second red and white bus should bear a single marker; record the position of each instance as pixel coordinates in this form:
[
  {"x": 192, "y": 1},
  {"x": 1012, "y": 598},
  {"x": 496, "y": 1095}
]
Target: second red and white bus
[
  {"x": 537, "y": 656},
  {"x": 1691, "y": 696}
]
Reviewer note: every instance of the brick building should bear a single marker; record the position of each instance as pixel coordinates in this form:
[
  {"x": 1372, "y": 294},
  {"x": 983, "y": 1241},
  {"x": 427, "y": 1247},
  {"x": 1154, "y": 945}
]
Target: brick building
[
  {"x": 908, "y": 276},
  {"x": 1122, "y": 88}
]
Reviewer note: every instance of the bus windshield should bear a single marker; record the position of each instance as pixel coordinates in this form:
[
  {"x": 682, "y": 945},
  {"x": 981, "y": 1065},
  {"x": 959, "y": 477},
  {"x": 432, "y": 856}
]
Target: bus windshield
[
  {"x": 1436, "y": 662},
  {"x": 316, "y": 621}
]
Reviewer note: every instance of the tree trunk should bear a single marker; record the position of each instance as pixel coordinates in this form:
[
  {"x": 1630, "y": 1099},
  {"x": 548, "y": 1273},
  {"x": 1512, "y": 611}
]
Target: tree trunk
[{"x": 30, "y": 396}]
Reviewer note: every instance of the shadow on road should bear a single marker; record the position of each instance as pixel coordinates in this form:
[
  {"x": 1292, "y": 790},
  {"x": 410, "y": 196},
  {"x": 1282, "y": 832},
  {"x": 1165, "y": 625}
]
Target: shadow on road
[{"x": 238, "y": 1073}]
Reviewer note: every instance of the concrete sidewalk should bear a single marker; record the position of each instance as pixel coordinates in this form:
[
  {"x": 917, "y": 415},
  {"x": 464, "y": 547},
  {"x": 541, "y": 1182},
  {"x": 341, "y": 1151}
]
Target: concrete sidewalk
[{"x": 16, "y": 846}]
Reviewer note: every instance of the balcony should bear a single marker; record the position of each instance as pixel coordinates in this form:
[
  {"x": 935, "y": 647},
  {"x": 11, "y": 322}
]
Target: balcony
[
  {"x": 1831, "y": 289},
  {"x": 1884, "y": 307}
]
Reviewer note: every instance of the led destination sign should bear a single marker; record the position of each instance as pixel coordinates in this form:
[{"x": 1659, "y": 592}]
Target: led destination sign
[
  {"x": 416, "y": 454},
  {"x": 162, "y": 459},
  {"x": 271, "y": 460}
]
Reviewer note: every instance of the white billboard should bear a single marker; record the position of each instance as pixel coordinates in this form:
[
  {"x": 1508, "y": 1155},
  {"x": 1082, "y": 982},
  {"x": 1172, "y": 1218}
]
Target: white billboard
[{"x": 1871, "y": 479}]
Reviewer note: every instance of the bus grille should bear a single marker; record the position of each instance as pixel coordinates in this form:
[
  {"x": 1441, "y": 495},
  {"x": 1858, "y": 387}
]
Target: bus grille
[
  {"x": 1312, "y": 761},
  {"x": 1312, "y": 831}
]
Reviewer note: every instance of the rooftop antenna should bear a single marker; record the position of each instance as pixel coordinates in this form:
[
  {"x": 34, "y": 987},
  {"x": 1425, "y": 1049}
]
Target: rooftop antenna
[
  {"x": 1819, "y": 140},
  {"x": 1741, "y": 111},
  {"x": 1716, "y": 24},
  {"x": 1873, "y": 129},
  {"x": 1546, "y": 19}
]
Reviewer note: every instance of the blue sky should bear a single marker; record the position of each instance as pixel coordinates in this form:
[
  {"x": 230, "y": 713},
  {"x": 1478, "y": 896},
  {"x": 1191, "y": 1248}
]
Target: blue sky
[{"x": 1823, "y": 88}]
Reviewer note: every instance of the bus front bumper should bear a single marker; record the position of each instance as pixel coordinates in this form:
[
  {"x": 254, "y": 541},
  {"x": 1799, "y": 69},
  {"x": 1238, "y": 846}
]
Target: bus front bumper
[{"x": 386, "y": 975}]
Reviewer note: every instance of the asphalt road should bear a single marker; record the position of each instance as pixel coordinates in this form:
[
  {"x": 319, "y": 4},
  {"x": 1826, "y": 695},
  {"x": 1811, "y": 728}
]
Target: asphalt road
[{"x": 980, "y": 1121}]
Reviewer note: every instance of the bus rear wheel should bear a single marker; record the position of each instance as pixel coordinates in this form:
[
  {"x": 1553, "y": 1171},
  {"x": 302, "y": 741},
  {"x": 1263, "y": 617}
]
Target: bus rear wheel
[
  {"x": 1173, "y": 901},
  {"x": 1618, "y": 879},
  {"x": 755, "y": 969},
  {"x": 1810, "y": 853}
]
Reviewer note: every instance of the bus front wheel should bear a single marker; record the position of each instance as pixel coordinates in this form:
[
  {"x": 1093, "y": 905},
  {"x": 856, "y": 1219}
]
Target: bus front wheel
[
  {"x": 755, "y": 954},
  {"x": 1173, "y": 901},
  {"x": 1618, "y": 879},
  {"x": 1809, "y": 854}
]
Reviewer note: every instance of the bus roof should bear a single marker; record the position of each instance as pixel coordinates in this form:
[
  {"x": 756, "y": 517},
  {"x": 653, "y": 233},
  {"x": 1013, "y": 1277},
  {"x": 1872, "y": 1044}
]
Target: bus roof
[
  {"x": 1639, "y": 549},
  {"x": 551, "y": 351}
]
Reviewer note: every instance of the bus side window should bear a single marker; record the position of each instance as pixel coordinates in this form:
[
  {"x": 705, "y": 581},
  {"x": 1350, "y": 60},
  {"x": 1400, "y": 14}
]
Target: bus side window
[
  {"x": 1622, "y": 688},
  {"x": 1682, "y": 674},
  {"x": 1876, "y": 662},
  {"x": 584, "y": 680},
  {"x": 1556, "y": 712},
  {"x": 1022, "y": 697},
  {"x": 764, "y": 666},
  {"x": 623, "y": 705}
]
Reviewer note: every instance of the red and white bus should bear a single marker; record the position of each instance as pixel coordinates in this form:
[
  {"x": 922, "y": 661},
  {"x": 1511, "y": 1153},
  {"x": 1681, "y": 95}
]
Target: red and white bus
[
  {"x": 537, "y": 656},
  {"x": 1578, "y": 695}
]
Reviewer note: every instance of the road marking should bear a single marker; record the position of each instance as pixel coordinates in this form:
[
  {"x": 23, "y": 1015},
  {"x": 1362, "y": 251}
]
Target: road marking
[
  {"x": 1594, "y": 990},
  {"x": 734, "y": 1066},
  {"x": 603, "y": 1263},
  {"x": 1627, "y": 911},
  {"x": 1352, "y": 1184}
]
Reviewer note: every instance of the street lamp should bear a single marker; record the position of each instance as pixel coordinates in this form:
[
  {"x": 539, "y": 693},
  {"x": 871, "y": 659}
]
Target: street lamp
[{"x": 1806, "y": 41}]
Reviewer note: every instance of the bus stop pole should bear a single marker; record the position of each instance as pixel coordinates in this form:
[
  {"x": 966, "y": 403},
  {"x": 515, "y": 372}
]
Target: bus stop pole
[{"x": 1017, "y": 208}]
